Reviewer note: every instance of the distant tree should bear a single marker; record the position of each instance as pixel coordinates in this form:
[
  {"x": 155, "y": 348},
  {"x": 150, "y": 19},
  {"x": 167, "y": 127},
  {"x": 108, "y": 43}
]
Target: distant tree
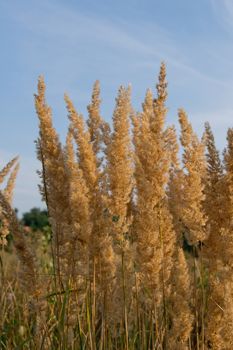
[{"x": 36, "y": 219}]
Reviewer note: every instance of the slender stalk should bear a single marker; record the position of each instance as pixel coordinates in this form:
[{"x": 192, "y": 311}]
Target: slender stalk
[
  {"x": 125, "y": 307},
  {"x": 203, "y": 301},
  {"x": 195, "y": 299},
  {"x": 94, "y": 305}
]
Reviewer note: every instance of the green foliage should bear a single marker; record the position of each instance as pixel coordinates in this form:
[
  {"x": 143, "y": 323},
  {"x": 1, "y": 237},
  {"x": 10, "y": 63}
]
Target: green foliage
[{"x": 36, "y": 219}]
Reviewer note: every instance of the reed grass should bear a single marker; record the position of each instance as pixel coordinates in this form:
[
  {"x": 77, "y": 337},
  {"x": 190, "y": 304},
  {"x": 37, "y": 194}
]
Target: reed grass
[{"x": 140, "y": 255}]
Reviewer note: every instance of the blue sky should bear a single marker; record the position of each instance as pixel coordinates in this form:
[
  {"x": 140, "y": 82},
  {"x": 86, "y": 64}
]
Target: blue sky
[{"x": 73, "y": 43}]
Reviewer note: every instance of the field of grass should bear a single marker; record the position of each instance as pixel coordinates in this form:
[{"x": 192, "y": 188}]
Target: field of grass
[{"x": 138, "y": 253}]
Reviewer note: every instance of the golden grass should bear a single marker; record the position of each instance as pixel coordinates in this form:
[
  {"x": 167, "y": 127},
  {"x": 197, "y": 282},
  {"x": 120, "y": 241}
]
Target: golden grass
[{"x": 141, "y": 248}]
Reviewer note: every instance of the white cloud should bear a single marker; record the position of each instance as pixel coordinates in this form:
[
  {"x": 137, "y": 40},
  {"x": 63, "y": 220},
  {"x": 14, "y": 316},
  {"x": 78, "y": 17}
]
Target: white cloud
[
  {"x": 224, "y": 13},
  {"x": 58, "y": 30}
]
